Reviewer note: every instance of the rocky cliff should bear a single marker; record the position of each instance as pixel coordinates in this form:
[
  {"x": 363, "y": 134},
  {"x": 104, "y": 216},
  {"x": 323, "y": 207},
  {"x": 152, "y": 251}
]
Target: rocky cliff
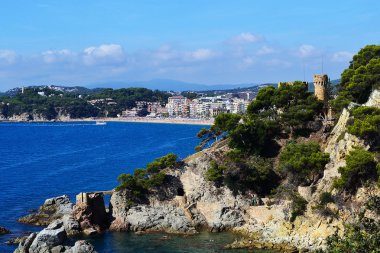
[
  {"x": 188, "y": 203},
  {"x": 199, "y": 204}
]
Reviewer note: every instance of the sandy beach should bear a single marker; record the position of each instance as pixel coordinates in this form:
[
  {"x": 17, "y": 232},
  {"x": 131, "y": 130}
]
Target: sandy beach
[{"x": 185, "y": 121}]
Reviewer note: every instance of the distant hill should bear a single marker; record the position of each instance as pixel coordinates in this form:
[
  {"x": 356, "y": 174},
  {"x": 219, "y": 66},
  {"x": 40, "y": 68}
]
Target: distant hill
[
  {"x": 253, "y": 88},
  {"x": 65, "y": 89},
  {"x": 168, "y": 85}
]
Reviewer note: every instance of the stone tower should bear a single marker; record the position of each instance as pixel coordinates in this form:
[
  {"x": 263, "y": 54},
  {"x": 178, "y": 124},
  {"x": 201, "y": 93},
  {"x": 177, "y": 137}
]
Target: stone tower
[{"x": 320, "y": 87}]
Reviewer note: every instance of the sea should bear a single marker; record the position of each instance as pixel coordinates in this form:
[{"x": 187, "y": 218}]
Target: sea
[{"x": 44, "y": 160}]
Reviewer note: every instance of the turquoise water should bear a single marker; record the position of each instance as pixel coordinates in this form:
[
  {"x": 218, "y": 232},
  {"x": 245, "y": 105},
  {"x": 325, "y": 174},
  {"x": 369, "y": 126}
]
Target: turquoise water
[
  {"x": 39, "y": 161},
  {"x": 159, "y": 243}
]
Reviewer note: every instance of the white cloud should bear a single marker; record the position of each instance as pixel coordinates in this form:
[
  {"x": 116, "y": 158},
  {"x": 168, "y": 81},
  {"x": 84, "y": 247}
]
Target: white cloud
[
  {"x": 52, "y": 56},
  {"x": 342, "y": 56},
  {"x": 165, "y": 53},
  {"x": 108, "y": 53},
  {"x": 246, "y": 38},
  {"x": 201, "y": 54},
  {"x": 307, "y": 51},
  {"x": 265, "y": 50},
  {"x": 248, "y": 61},
  {"x": 244, "y": 60},
  {"x": 278, "y": 63},
  {"x": 8, "y": 56}
]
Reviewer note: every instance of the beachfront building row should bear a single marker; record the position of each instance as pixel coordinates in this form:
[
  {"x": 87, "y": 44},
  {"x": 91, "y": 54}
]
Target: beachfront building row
[
  {"x": 179, "y": 106},
  {"x": 204, "y": 107}
]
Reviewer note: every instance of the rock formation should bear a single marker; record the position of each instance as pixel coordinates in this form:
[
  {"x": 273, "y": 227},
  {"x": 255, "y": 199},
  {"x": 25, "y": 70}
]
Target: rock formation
[
  {"x": 57, "y": 213},
  {"x": 90, "y": 212},
  {"x": 4, "y": 231},
  {"x": 52, "y": 209}
]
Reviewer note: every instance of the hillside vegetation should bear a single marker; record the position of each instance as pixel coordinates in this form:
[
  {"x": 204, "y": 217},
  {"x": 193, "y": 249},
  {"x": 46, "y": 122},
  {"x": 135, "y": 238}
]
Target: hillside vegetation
[{"x": 50, "y": 103}]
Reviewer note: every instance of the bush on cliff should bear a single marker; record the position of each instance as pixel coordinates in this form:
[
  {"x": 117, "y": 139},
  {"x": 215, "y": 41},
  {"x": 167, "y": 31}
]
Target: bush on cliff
[
  {"x": 302, "y": 163},
  {"x": 242, "y": 173},
  {"x": 215, "y": 172},
  {"x": 362, "y": 236},
  {"x": 321, "y": 207},
  {"x": 366, "y": 124},
  {"x": 223, "y": 124},
  {"x": 166, "y": 161},
  {"x": 143, "y": 180},
  {"x": 298, "y": 207},
  {"x": 254, "y": 136},
  {"x": 360, "y": 78},
  {"x": 360, "y": 167}
]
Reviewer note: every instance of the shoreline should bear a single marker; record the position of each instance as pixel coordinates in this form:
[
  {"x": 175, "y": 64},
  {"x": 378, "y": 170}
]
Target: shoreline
[{"x": 181, "y": 121}]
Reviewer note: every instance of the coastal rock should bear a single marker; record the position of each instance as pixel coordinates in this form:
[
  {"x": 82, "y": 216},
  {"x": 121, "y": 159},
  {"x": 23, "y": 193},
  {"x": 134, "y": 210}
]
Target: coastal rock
[
  {"x": 165, "y": 218},
  {"x": 49, "y": 237},
  {"x": 52, "y": 239},
  {"x": 90, "y": 212},
  {"x": 52, "y": 209},
  {"x": 4, "y": 231},
  {"x": 81, "y": 247},
  {"x": 25, "y": 245},
  {"x": 72, "y": 226},
  {"x": 16, "y": 240}
]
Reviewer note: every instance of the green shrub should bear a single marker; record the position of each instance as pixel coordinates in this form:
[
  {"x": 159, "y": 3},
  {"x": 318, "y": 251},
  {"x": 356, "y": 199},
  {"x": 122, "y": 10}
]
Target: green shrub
[
  {"x": 302, "y": 163},
  {"x": 362, "y": 236},
  {"x": 215, "y": 172},
  {"x": 325, "y": 198},
  {"x": 373, "y": 204},
  {"x": 254, "y": 136},
  {"x": 298, "y": 207},
  {"x": 360, "y": 167},
  {"x": 250, "y": 173},
  {"x": 143, "y": 180},
  {"x": 321, "y": 206},
  {"x": 366, "y": 124},
  {"x": 161, "y": 163},
  {"x": 227, "y": 121},
  {"x": 155, "y": 180}
]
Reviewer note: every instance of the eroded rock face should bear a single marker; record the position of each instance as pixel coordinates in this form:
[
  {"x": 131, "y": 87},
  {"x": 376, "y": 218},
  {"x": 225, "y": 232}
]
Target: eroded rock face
[
  {"x": 374, "y": 99},
  {"x": 167, "y": 218},
  {"x": 52, "y": 209},
  {"x": 187, "y": 203},
  {"x": 91, "y": 213}
]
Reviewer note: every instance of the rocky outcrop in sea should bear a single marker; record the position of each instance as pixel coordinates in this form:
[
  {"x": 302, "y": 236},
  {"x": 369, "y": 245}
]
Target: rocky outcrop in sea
[
  {"x": 57, "y": 214},
  {"x": 4, "y": 231}
]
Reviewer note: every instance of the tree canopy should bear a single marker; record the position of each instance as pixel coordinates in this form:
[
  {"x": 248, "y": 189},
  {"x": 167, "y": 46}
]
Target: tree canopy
[
  {"x": 360, "y": 167},
  {"x": 53, "y": 102},
  {"x": 302, "y": 163},
  {"x": 360, "y": 78},
  {"x": 366, "y": 124}
]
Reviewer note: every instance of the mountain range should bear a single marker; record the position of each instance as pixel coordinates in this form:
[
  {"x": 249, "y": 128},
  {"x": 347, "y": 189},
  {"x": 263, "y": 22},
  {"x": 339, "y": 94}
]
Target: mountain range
[{"x": 169, "y": 85}]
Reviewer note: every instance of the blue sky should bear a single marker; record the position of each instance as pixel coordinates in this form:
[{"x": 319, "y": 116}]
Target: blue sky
[{"x": 211, "y": 42}]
